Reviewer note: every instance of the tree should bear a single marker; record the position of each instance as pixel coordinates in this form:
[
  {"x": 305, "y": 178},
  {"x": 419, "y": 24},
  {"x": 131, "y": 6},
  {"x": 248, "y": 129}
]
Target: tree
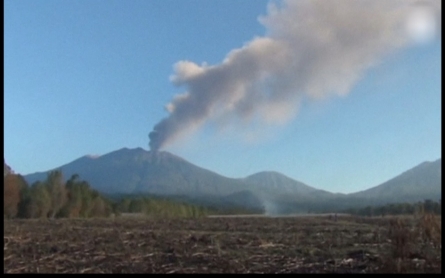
[
  {"x": 25, "y": 202},
  {"x": 13, "y": 184},
  {"x": 73, "y": 204},
  {"x": 368, "y": 211},
  {"x": 57, "y": 191},
  {"x": 87, "y": 199},
  {"x": 428, "y": 206},
  {"x": 100, "y": 208},
  {"x": 40, "y": 201},
  {"x": 136, "y": 206},
  {"x": 124, "y": 205}
]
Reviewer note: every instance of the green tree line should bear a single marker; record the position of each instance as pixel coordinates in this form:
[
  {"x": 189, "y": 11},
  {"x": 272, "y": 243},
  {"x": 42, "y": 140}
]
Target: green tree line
[
  {"x": 55, "y": 198},
  {"x": 158, "y": 207},
  {"x": 427, "y": 206}
]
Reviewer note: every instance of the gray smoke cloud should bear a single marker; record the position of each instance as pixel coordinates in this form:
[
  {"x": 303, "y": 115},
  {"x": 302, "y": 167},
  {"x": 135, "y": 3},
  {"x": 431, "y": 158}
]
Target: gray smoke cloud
[{"x": 312, "y": 49}]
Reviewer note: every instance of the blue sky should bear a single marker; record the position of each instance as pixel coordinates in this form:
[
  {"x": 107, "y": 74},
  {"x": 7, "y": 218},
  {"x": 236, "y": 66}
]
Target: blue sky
[{"x": 90, "y": 77}]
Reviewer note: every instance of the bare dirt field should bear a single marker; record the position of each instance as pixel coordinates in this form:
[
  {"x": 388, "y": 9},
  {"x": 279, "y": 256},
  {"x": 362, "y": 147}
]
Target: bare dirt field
[{"x": 222, "y": 245}]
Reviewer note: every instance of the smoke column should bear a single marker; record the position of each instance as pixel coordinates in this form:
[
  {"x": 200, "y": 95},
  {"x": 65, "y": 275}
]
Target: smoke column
[{"x": 312, "y": 49}]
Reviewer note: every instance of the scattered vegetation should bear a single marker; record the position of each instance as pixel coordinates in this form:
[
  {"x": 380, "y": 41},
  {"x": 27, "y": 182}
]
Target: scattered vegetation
[{"x": 415, "y": 243}]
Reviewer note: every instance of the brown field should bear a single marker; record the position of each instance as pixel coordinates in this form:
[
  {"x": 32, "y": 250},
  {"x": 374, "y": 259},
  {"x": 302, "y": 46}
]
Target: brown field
[{"x": 223, "y": 245}]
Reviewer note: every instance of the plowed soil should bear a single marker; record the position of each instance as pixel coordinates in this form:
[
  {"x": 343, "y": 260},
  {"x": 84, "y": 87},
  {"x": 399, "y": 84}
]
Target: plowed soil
[{"x": 211, "y": 245}]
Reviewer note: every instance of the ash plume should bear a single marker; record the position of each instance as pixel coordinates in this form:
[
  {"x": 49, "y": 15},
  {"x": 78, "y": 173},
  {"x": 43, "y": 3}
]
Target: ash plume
[{"x": 312, "y": 49}]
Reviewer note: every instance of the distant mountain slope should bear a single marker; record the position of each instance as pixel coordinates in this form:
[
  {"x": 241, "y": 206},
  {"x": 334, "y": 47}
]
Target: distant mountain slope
[
  {"x": 136, "y": 170},
  {"x": 131, "y": 171},
  {"x": 240, "y": 199},
  {"x": 421, "y": 182},
  {"x": 272, "y": 183}
]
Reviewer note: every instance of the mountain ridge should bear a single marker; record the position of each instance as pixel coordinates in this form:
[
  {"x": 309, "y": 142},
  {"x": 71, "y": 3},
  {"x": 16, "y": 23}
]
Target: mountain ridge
[
  {"x": 138, "y": 171},
  {"x": 412, "y": 179}
]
